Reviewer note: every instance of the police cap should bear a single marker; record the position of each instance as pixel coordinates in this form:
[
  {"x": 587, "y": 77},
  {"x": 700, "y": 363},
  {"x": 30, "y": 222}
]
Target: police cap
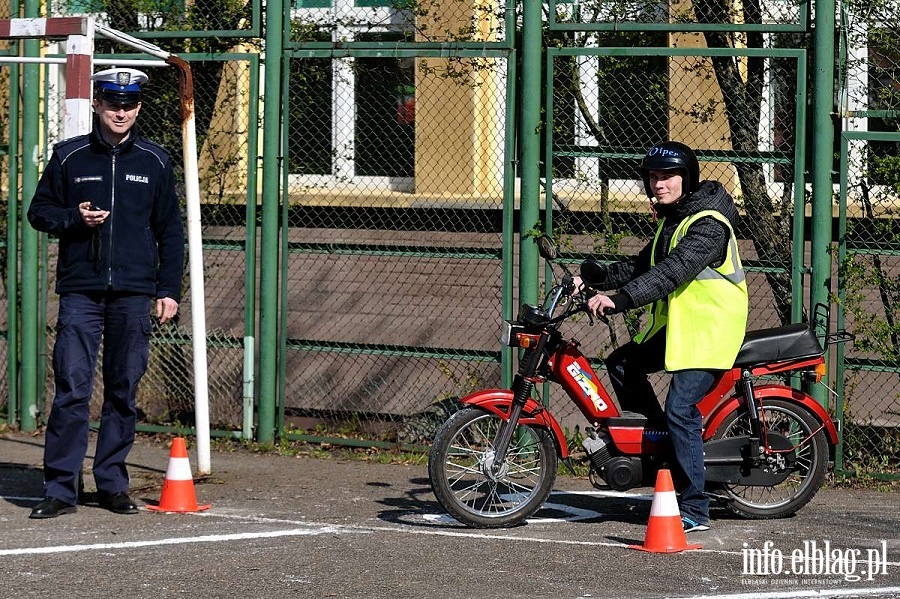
[{"x": 119, "y": 85}]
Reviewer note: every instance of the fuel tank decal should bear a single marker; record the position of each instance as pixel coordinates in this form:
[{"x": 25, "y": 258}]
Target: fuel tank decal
[{"x": 588, "y": 386}]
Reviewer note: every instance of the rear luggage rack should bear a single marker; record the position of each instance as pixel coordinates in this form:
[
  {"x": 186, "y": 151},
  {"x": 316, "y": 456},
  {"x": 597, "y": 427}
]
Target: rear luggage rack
[{"x": 839, "y": 337}]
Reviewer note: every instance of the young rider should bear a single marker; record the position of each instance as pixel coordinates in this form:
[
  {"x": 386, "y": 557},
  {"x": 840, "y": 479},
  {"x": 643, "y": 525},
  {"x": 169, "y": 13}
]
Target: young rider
[{"x": 691, "y": 273}]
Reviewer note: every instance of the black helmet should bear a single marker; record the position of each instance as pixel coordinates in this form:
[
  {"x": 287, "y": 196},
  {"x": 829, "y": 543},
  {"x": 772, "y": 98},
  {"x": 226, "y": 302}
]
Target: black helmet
[{"x": 671, "y": 156}]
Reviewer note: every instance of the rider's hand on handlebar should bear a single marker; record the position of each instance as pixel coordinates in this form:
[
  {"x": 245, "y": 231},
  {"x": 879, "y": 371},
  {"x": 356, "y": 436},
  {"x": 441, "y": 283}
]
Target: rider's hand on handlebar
[
  {"x": 579, "y": 284},
  {"x": 599, "y": 304}
]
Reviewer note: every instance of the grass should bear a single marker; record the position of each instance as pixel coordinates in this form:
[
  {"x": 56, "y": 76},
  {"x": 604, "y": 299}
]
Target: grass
[
  {"x": 325, "y": 451},
  {"x": 336, "y": 451}
]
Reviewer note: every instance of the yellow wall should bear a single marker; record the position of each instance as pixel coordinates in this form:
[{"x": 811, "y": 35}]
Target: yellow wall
[
  {"x": 222, "y": 159},
  {"x": 459, "y": 136}
]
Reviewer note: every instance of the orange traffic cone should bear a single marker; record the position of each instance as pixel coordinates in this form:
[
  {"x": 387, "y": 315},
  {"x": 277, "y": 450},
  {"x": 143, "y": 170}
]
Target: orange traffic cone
[
  {"x": 178, "y": 486},
  {"x": 664, "y": 531}
]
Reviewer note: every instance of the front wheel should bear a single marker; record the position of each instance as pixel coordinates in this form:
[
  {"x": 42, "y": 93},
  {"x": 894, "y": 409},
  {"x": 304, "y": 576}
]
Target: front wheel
[
  {"x": 477, "y": 490},
  {"x": 807, "y": 460}
]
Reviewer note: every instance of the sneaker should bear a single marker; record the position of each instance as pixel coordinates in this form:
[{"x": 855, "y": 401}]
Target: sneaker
[{"x": 690, "y": 525}]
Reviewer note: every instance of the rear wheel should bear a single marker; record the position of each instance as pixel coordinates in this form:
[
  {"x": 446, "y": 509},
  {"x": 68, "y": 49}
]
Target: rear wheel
[
  {"x": 805, "y": 464},
  {"x": 476, "y": 490}
]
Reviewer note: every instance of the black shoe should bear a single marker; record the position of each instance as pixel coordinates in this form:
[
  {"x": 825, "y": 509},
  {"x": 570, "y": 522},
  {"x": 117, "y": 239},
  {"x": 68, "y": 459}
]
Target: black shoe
[
  {"x": 119, "y": 503},
  {"x": 51, "y": 507}
]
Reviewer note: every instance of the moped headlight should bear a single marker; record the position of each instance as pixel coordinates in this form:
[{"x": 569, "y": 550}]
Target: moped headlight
[{"x": 508, "y": 333}]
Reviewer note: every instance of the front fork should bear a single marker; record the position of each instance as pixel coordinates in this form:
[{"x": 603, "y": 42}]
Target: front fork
[{"x": 523, "y": 385}]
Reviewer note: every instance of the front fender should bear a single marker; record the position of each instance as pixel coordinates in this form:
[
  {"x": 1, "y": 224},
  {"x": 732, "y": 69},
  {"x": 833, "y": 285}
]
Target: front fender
[
  {"x": 499, "y": 401},
  {"x": 781, "y": 391}
]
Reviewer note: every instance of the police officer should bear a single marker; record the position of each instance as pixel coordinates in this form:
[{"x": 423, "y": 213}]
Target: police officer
[
  {"x": 109, "y": 197},
  {"x": 691, "y": 273}
]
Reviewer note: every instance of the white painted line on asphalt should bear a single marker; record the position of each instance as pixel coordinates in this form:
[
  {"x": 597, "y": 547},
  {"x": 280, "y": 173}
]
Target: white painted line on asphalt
[
  {"x": 591, "y": 493},
  {"x": 403, "y": 530},
  {"x": 829, "y": 593},
  {"x": 296, "y": 532},
  {"x": 451, "y": 533},
  {"x": 318, "y": 528}
]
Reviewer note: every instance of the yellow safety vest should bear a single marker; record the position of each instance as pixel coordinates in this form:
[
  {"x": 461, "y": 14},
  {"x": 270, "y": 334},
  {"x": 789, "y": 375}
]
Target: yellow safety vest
[{"x": 706, "y": 317}]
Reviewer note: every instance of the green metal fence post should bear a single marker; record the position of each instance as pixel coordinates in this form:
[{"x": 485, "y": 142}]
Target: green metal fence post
[
  {"x": 12, "y": 243},
  {"x": 823, "y": 142},
  {"x": 507, "y": 354},
  {"x": 530, "y": 137},
  {"x": 30, "y": 305},
  {"x": 271, "y": 195},
  {"x": 801, "y": 150},
  {"x": 284, "y": 224},
  {"x": 250, "y": 252}
]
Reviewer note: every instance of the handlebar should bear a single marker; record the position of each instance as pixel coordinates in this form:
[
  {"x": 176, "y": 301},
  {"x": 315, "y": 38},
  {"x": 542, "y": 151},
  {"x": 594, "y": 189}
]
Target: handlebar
[{"x": 575, "y": 302}]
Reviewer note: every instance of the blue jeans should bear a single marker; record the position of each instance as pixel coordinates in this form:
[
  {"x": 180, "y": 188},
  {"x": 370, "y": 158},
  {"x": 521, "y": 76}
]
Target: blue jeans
[
  {"x": 123, "y": 322},
  {"x": 686, "y": 432},
  {"x": 628, "y": 368}
]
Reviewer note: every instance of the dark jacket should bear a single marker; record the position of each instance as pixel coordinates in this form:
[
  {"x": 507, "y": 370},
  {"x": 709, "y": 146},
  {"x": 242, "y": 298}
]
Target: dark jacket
[
  {"x": 704, "y": 244},
  {"x": 140, "y": 246}
]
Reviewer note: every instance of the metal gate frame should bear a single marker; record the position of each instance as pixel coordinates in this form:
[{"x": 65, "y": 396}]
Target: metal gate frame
[
  {"x": 800, "y": 56},
  {"x": 844, "y": 363},
  {"x": 502, "y": 51}
]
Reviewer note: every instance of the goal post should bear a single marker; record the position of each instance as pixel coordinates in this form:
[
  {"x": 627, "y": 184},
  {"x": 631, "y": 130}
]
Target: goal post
[{"x": 79, "y": 33}]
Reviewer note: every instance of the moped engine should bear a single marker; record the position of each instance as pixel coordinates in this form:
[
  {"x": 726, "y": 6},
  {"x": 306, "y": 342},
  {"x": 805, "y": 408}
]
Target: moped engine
[
  {"x": 597, "y": 445},
  {"x": 619, "y": 472},
  {"x": 623, "y": 473}
]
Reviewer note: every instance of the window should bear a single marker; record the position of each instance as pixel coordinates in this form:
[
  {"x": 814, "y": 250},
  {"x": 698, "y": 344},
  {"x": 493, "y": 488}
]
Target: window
[{"x": 351, "y": 118}]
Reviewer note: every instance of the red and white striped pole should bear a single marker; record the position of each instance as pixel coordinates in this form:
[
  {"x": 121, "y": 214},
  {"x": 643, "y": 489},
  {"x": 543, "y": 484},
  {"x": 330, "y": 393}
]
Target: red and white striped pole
[
  {"x": 41, "y": 27},
  {"x": 79, "y": 32},
  {"x": 79, "y": 67}
]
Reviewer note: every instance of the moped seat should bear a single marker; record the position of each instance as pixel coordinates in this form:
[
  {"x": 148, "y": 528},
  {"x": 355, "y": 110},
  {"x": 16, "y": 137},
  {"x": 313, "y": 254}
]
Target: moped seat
[
  {"x": 635, "y": 419},
  {"x": 778, "y": 344}
]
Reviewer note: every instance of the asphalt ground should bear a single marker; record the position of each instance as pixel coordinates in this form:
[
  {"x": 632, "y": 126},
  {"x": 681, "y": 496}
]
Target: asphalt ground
[{"x": 286, "y": 526}]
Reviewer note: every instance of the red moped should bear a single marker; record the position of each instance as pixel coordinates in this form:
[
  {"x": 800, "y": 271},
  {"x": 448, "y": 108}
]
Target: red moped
[{"x": 767, "y": 445}]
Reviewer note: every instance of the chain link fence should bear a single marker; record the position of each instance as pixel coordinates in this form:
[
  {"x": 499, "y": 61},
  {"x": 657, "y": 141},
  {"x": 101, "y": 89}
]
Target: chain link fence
[
  {"x": 209, "y": 22},
  {"x": 393, "y": 274},
  {"x": 396, "y": 208},
  {"x": 869, "y": 251},
  {"x": 609, "y": 107},
  {"x": 225, "y": 92},
  {"x": 395, "y": 203}
]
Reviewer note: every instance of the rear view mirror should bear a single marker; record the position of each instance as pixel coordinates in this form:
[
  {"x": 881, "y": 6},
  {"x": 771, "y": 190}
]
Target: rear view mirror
[
  {"x": 592, "y": 270},
  {"x": 546, "y": 247}
]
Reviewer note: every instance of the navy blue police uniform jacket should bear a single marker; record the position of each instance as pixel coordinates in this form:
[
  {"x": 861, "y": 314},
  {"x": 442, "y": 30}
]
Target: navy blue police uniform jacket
[{"x": 140, "y": 246}]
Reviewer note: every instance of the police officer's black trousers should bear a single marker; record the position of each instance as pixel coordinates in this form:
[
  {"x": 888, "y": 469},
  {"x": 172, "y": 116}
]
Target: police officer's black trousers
[{"x": 123, "y": 322}]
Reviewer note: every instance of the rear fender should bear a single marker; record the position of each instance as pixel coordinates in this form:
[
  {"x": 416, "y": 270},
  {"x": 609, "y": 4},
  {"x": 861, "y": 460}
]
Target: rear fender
[
  {"x": 781, "y": 391},
  {"x": 499, "y": 401}
]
